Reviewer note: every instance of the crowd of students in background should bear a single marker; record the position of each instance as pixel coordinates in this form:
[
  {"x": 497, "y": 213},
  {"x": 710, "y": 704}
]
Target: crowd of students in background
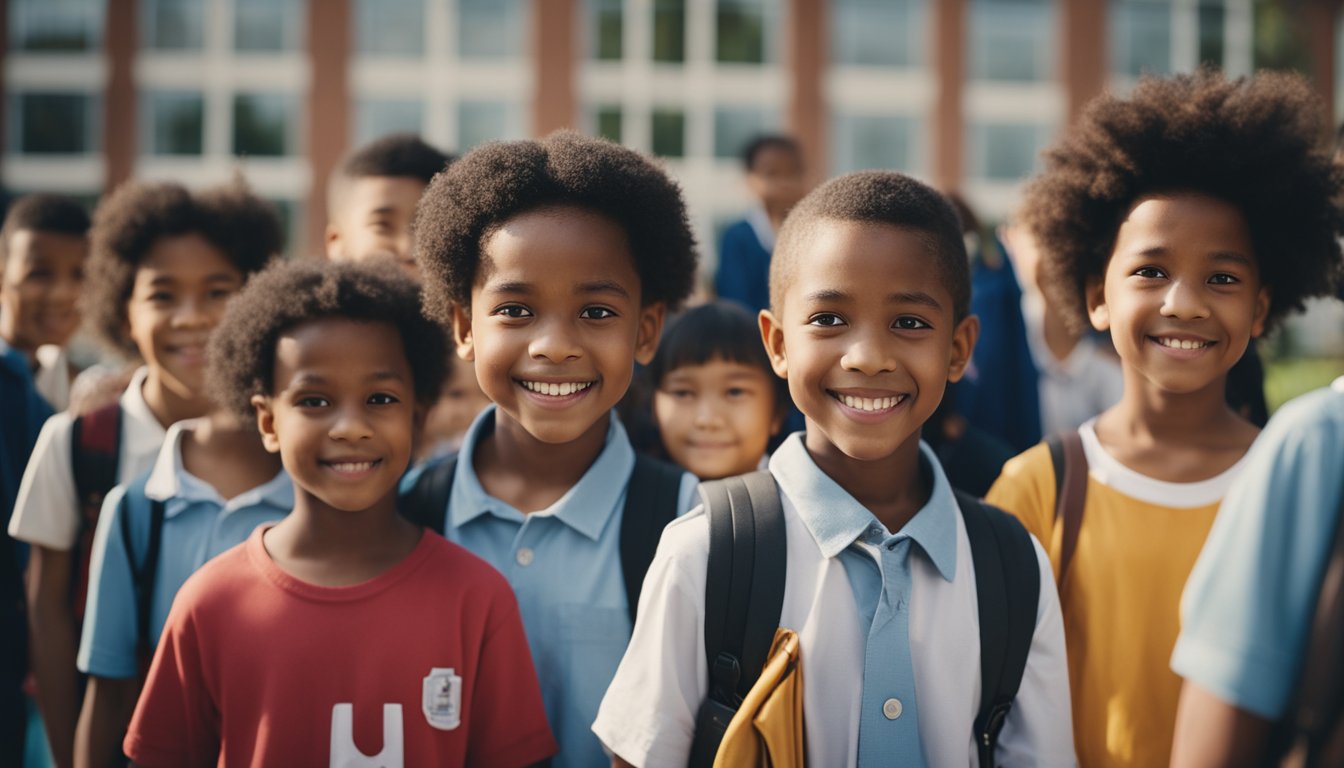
[{"x": 432, "y": 499}]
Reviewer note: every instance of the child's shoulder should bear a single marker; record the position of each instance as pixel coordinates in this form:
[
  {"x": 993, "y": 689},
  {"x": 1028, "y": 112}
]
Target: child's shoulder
[{"x": 450, "y": 566}]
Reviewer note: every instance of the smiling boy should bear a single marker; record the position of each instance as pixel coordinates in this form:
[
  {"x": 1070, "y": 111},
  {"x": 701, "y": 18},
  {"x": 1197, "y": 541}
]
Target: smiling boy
[{"x": 869, "y": 323}]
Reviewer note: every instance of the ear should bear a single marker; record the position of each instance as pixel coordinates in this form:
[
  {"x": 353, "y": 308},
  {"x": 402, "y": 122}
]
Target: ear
[
  {"x": 772, "y": 335},
  {"x": 333, "y": 241},
  {"x": 266, "y": 423},
  {"x": 651, "y": 320},
  {"x": 1262, "y": 302},
  {"x": 462, "y": 338},
  {"x": 964, "y": 337},
  {"x": 1094, "y": 293}
]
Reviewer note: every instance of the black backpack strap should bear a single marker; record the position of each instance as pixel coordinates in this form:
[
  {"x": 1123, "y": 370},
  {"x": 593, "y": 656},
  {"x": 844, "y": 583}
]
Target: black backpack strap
[
  {"x": 651, "y": 499},
  {"x": 144, "y": 570},
  {"x": 426, "y": 503},
  {"x": 1070, "y": 464},
  {"x": 1008, "y": 584}
]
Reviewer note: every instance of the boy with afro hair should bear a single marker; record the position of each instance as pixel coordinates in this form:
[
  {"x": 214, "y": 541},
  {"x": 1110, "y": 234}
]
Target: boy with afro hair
[
  {"x": 164, "y": 263},
  {"x": 555, "y": 262},
  {"x": 1185, "y": 219}
]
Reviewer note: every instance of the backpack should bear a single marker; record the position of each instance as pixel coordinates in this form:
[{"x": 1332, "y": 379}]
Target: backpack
[
  {"x": 650, "y": 504},
  {"x": 744, "y": 594},
  {"x": 95, "y": 447},
  {"x": 1070, "y": 463},
  {"x": 145, "y": 570}
]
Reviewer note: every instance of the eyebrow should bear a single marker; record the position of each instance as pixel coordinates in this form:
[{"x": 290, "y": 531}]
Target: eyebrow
[
  {"x": 170, "y": 279},
  {"x": 899, "y": 297},
  {"x": 311, "y": 379},
  {"x": 596, "y": 286},
  {"x": 1218, "y": 256}
]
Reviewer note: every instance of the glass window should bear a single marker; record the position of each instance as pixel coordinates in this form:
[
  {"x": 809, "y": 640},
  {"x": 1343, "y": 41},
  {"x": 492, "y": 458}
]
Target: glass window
[
  {"x": 1212, "y": 24},
  {"x": 1006, "y": 151},
  {"x": 489, "y": 29},
  {"x": 267, "y": 25},
  {"x": 390, "y": 27},
  {"x": 53, "y": 124},
  {"x": 55, "y": 25},
  {"x": 174, "y": 123},
  {"x": 607, "y": 121},
  {"x": 172, "y": 25},
  {"x": 264, "y": 124},
  {"x": 1140, "y": 32},
  {"x": 377, "y": 117},
  {"x": 669, "y": 133},
  {"x": 481, "y": 121},
  {"x": 742, "y": 31},
  {"x": 860, "y": 142},
  {"x": 1012, "y": 40},
  {"x": 878, "y": 33},
  {"x": 669, "y": 31},
  {"x": 735, "y": 126},
  {"x": 1278, "y": 42},
  {"x": 605, "y": 21},
  {"x": 290, "y": 213}
]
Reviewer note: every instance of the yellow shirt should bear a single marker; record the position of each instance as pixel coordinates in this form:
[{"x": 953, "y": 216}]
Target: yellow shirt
[{"x": 1136, "y": 547}]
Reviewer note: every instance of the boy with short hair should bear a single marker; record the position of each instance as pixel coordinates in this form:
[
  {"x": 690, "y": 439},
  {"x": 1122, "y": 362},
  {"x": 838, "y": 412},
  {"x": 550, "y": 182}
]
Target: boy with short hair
[
  {"x": 371, "y": 199},
  {"x": 868, "y": 322},
  {"x": 774, "y": 173},
  {"x": 343, "y": 627},
  {"x": 1184, "y": 219},
  {"x": 164, "y": 263},
  {"x": 556, "y": 261}
]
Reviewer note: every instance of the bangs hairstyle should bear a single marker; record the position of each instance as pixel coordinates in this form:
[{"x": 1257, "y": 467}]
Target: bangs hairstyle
[
  {"x": 242, "y": 348},
  {"x": 1256, "y": 143},
  {"x": 710, "y": 332}
]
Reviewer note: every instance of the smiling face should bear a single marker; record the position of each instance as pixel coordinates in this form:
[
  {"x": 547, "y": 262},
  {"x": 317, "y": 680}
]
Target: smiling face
[
  {"x": 556, "y": 322},
  {"x": 39, "y": 291},
  {"x": 342, "y": 411},
  {"x": 717, "y": 418},
  {"x": 374, "y": 220},
  {"x": 1182, "y": 295},
  {"x": 866, "y": 336},
  {"x": 179, "y": 295}
]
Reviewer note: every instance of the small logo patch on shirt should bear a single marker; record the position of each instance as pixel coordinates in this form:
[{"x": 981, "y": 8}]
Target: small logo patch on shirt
[{"x": 442, "y": 698}]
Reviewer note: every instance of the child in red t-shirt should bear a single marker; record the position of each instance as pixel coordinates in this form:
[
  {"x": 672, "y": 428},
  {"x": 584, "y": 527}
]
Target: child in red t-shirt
[{"x": 343, "y": 630}]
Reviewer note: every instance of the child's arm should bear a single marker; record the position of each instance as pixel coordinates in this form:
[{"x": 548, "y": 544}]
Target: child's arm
[
  {"x": 108, "y": 704},
  {"x": 176, "y": 721},
  {"x": 51, "y": 628},
  {"x": 1215, "y": 734}
]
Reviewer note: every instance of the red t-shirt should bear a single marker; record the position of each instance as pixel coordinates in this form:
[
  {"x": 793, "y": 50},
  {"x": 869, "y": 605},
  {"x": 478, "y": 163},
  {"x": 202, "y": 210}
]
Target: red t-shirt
[{"x": 427, "y": 664}]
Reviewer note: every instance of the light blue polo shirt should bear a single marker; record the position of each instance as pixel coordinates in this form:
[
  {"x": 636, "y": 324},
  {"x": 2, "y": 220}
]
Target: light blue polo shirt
[
  {"x": 198, "y": 524},
  {"x": 564, "y": 565},
  {"x": 1249, "y": 602}
]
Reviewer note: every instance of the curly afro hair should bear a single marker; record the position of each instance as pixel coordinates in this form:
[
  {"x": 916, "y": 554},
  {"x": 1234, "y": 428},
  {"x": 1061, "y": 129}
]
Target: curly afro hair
[
  {"x": 1256, "y": 143},
  {"x": 289, "y": 294},
  {"x": 129, "y": 222},
  {"x": 877, "y": 197},
  {"x": 495, "y": 182},
  {"x": 43, "y": 213}
]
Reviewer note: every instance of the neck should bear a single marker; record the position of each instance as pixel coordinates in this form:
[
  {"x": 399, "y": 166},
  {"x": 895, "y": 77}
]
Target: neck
[
  {"x": 776, "y": 215},
  {"x": 170, "y": 406},
  {"x": 334, "y": 547},
  {"x": 893, "y": 488},
  {"x": 1060, "y": 339},
  {"x": 553, "y": 465},
  {"x": 221, "y": 435},
  {"x": 1171, "y": 417}
]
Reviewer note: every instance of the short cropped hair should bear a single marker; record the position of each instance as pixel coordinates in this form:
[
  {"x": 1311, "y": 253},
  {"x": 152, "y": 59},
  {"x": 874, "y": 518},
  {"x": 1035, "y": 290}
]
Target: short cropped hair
[
  {"x": 129, "y": 222},
  {"x": 403, "y": 155},
  {"x": 495, "y": 182},
  {"x": 43, "y": 213},
  {"x": 1256, "y": 143},
  {"x": 764, "y": 141},
  {"x": 719, "y": 330},
  {"x": 289, "y": 294},
  {"x": 877, "y": 197}
]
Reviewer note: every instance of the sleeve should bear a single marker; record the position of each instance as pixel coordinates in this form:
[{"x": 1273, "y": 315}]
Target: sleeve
[
  {"x": 1026, "y": 490},
  {"x": 732, "y": 279},
  {"x": 1248, "y": 604},
  {"x": 46, "y": 511},
  {"x": 175, "y": 722},
  {"x": 507, "y": 730},
  {"x": 1039, "y": 729},
  {"x": 107, "y": 647},
  {"x": 648, "y": 714}
]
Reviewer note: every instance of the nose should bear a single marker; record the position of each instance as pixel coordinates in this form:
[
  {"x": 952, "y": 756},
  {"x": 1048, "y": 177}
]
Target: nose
[
  {"x": 555, "y": 341},
  {"x": 191, "y": 312},
  {"x": 706, "y": 412},
  {"x": 1184, "y": 301},
  {"x": 349, "y": 424},
  {"x": 869, "y": 353}
]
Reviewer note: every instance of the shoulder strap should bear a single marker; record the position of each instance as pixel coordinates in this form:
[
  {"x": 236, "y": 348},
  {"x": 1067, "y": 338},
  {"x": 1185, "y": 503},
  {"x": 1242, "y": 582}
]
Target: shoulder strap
[
  {"x": 651, "y": 499},
  {"x": 95, "y": 448},
  {"x": 1070, "y": 463},
  {"x": 145, "y": 570},
  {"x": 1008, "y": 585},
  {"x": 426, "y": 503}
]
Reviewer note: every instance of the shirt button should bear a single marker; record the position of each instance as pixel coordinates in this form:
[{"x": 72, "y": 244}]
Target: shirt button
[
  {"x": 892, "y": 708},
  {"x": 524, "y": 557}
]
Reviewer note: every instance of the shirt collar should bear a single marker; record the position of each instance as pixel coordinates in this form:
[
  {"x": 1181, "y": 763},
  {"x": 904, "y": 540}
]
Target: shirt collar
[
  {"x": 141, "y": 431},
  {"x": 586, "y": 507},
  {"x": 170, "y": 482},
  {"x": 836, "y": 519},
  {"x": 759, "y": 221}
]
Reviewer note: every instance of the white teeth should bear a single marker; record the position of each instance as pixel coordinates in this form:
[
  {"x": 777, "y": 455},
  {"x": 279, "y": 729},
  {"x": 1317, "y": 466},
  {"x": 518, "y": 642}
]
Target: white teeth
[
  {"x": 871, "y": 403},
  {"x": 557, "y": 390},
  {"x": 352, "y": 466},
  {"x": 1182, "y": 343}
]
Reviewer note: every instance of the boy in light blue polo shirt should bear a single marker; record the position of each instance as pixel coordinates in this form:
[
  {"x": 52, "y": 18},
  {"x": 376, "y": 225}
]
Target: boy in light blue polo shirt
[
  {"x": 555, "y": 262},
  {"x": 1250, "y": 600}
]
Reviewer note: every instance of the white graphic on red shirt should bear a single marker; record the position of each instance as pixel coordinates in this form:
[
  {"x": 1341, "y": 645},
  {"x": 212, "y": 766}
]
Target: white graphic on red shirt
[
  {"x": 344, "y": 753},
  {"x": 441, "y": 698}
]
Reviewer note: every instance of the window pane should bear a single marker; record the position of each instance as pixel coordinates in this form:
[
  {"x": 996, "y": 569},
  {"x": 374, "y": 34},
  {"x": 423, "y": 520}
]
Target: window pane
[
  {"x": 54, "y": 123},
  {"x": 1212, "y": 21},
  {"x": 740, "y": 31},
  {"x": 605, "y": 20},
  {"x": 669, "y": 133},
  {"x": 1012, "y": 39},
  {"x": 263, "y": 124},
  {"x": 1140, "y": 33},
  {"x": 489, "y": 29},
  {"x": 55, "y": 25},
  {"x": 1006, "y": 151},
  {"x": 860, "y": 142},
  {"x": 375, "y": 118},
  {"x": 735, "y": 126},
  {"x": 172, "y": 25},
  {"x": 879, "y": 33},
  {"x": 608, "y": 122},
  {"x": 174, "y": 123},
  {"x": 267, "y": 25},
  {"x": 1278, "y": 42},
  {"x": 390, "y": 27},
  {"x": 481, "y": 121},
  {"x": 669, "y": 30}
]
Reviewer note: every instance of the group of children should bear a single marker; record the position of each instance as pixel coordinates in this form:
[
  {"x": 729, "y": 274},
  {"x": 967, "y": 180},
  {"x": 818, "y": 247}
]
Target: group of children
[{"x": 272, "y": 577}]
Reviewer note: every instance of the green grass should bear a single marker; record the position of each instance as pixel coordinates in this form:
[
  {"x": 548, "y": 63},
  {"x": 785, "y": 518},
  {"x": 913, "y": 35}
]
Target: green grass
[{"x": 1290, "y": 377}]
